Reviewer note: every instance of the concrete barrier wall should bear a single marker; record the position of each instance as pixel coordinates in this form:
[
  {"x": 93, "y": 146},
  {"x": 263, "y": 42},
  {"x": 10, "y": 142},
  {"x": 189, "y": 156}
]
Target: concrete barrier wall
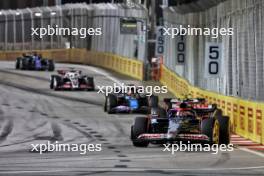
[
  {"x": 242, "y": 53},
  {"x": 126, "y": 66}
]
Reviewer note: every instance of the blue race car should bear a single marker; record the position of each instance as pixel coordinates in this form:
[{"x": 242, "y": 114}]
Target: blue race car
[
  {"x": 34, "y": 62},
  {"x": 129, "y": 102}
]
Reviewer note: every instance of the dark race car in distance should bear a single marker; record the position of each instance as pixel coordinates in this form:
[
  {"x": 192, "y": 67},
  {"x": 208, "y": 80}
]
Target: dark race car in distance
[
  {"x": 71, "y": 80},
  {"x": 34, "y": 62},
  {"x": 129, "y": 102},
  {"x": 185, "y": 121}
]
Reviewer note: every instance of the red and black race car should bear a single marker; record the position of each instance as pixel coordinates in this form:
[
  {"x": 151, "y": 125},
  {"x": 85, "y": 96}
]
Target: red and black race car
[
  {"x": 71, "y": 80},
  {"x": 188, "y": 120}
]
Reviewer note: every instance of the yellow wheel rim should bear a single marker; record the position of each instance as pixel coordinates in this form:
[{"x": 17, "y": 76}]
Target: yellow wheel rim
[{"x": 216, "y": 130}]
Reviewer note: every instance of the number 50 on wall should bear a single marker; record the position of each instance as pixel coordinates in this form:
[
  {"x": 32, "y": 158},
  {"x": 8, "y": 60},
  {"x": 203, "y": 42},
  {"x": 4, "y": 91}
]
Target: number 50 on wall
[{"x": 213, "y": 59}]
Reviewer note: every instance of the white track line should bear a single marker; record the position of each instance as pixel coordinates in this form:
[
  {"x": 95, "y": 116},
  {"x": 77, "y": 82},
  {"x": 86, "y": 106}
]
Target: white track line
[
  {"x": 245, "y": 149},
  {"x": 104, "y": 73},
  {"x": 244, "y": 141},
  {"x": 257, "y": 146},
  {"x": 251, "y": 151}
]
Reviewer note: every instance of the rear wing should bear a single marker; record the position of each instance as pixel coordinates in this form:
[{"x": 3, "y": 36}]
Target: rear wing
[
  {"x": 204, "y": 108},
  {"x": 194, "y": 100},
  {"x": 197, "y": 104},
  {"x": 172, "y": 102},
  {"x": 188, "y": 101},
  {"x": 61, "y": 72}
]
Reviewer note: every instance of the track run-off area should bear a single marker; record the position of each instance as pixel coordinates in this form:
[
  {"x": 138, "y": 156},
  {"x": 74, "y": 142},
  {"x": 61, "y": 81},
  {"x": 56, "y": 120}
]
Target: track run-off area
[{"x": 31, "y": 113}]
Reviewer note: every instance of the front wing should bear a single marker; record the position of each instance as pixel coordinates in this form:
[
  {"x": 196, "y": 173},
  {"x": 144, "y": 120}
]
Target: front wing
[
  {"x": 167, "y": 137},
  {"x": 68, "y": 86},
  {"x": 127, "y": 109}
]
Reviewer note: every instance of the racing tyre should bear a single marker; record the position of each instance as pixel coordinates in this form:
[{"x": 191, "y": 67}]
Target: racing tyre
[
  {"x": 51, "y": 65},
  {"x": 153, "y": 101},
  {"x": 110, "y": 103},
  {"x": 90, "y": 81},
  {"x": 52, "y": 78},
  {"x": 18, "y": 60},
  {"x": 158, "y": 111},
  {"x": 56, "y": 80},
  {"x": 211, "y": 128},
  {"x": 139, "y": 127},
  {"x": 23, "y": 64},
  {"x": 224, "y": 137},
  {"x": 168, "y": 104},
  {"x": 51, "y": 81}
]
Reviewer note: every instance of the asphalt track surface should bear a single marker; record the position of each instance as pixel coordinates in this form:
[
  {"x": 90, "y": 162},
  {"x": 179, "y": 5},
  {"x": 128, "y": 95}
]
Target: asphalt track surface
[{"x": 31, "y": 113}]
